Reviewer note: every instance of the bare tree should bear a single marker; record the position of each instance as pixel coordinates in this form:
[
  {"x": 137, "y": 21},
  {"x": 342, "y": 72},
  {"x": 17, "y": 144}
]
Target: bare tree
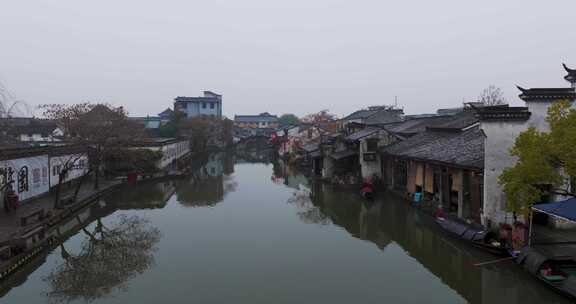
[
  {"x": 320, "y": 117},
  {"x": 492, "y": 96},
  {"x": 9, "y": 107},
  {"x": 65, "y": 166},
  {"x": 105, "y": 130},
  {"x": 201, "y": 131}
]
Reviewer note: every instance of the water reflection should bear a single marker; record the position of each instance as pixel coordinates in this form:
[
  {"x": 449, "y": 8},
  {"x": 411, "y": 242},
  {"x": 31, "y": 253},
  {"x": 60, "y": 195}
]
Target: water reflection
[
  {"x": 209, "y": 183},
  {"x": 148, "y": 195},
  {"x": 108, "y": 258},
  {"x": 108, "y": 255},
  {"x": 388, "y": 221},
  {"x": 253, "y": 249}
]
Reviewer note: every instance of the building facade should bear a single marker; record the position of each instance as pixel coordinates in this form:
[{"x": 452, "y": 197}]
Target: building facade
[
  {"x": 261, "y": 121},
  {"x": 172, "y": 149},
  {"x": 501, "y": 126},
  {"x": 208, "y": 105},
  {"x": 32, "y": 172}
]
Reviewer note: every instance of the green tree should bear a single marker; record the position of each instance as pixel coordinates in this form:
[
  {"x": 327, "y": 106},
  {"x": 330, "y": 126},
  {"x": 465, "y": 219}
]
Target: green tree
[
  {"x": 288, "y": 119},
  {"x": 170, "y": 129},
  {"x": 546, "y": 161}
]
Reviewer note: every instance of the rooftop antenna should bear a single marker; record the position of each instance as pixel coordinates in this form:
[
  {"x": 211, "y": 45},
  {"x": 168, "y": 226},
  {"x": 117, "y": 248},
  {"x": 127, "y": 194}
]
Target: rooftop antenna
[{"x": 395, "y": 101}]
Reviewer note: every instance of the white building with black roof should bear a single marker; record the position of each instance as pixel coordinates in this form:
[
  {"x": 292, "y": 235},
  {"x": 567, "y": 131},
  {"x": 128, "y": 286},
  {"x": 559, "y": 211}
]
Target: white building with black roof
[
  {"x": 208, "y": 105},
  {"x": 501, "y": 126}
]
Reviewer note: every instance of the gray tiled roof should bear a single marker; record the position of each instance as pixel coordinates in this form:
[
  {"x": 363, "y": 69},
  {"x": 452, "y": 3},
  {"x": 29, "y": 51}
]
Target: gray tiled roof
[
  {"x": 255, "y": 118},
  {"x": 361, "y": 134},
  {"x": 360, "y": 114},
  {"x": 417, "y": 125},
  {"x": 458, "y": 121},
  {"x": 196, "y": 99},
  {"x": 458, "y": 148}
]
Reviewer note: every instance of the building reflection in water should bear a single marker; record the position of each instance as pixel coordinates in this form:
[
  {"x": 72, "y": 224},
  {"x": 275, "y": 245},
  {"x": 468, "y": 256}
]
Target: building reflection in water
[
  {"x": 390, "y": 220},
  {"x": 91, "y": 269},
  {"x": 209, "y": 183}
]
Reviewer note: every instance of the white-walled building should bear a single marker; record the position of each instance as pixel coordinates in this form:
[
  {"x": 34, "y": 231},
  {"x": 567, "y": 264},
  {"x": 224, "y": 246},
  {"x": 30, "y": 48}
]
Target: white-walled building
[
  {"x": 77, "y": 161},
  {"x": 27, "y": 172},
  {"x": 171, "y": 148},
  {"x": 208, "y": 105},
  {"x": 33, "y": 171},
  {"x": 501, "y": 127}
]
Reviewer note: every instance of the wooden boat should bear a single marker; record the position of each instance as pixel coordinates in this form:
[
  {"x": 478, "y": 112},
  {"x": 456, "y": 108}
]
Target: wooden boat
[
  {"x": 367, "y": 190},
  {"x": 367, "y": 194},
  {"x": 558, "y": 273},
  {"x": 477, "y": 237}
]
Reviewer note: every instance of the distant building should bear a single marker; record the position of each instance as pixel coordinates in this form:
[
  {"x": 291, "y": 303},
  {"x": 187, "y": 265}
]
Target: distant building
[
  {"x": 166, "y": 115},
  {"x": 147, "y": 122},
  {"x": 172, "y": 149},
  {"x": 208, "y": 105},
  {"x": 261, "y": 121},
  {"x": 30, "y": 129}
]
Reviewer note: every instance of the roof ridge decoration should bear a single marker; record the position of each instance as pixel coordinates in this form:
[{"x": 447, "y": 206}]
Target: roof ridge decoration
[
  {"x": 503, "y": 114},
  {"x": 569, "y": 70},
  {"x": 535, "y": 94},
  {"x": 571, "y": 77}
]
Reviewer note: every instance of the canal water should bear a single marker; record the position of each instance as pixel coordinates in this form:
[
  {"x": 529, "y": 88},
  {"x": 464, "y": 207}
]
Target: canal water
[{"x": 246, "y": 230}]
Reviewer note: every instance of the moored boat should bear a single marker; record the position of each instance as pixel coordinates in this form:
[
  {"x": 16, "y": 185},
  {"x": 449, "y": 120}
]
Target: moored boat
[
  {"x": 478, "y": 237},
  {"x": 367, "y": 190},
  {"x": 558, "y": 273}
]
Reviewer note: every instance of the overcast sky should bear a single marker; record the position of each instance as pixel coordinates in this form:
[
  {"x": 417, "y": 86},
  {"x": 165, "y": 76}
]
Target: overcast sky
[{"x": 292, "y": 56}]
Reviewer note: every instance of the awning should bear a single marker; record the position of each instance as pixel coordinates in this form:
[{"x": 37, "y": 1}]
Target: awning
[
  {"x": 310, "y": 147},
  {"x": 315, "y": 154},
  {"x": 563, "y": 209},
  {"x": 342, "y": 154}
]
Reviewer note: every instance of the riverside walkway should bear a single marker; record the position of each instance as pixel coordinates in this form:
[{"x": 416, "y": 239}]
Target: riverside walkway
[{"x": 10, "y": 225}]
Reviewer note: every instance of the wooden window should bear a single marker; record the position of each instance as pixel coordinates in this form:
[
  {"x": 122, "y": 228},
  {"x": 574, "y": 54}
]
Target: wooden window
[
  {"x": 36, "y": 175},
  {"x": 371, "y": 145}
]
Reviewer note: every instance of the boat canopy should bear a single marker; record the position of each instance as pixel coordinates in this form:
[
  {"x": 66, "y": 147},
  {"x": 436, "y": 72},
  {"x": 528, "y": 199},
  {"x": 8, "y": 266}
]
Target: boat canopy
[
  {"x": 531, "y": 259},
  {"x": 463, "y": 230},
  {"x": 563, "y": 209}
]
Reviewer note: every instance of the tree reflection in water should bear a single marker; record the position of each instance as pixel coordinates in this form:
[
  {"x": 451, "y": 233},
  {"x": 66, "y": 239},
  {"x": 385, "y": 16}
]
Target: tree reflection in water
[
  {"x": 307, "y": 211},
  {"x": 209, "y": 184},
  {"x": 107, "y": 260}
]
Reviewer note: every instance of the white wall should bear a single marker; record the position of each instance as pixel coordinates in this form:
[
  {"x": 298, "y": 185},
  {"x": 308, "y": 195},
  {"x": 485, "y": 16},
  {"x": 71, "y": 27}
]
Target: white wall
[
  {"x": 500, "y": 137},
  {"x": 539, "y": 110},
  {"x": 79, "y": 163},
  {"x": 34, "y": 182},
  {"x": 172, "y": 152},
  {"x": 369, "y": 168}
]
